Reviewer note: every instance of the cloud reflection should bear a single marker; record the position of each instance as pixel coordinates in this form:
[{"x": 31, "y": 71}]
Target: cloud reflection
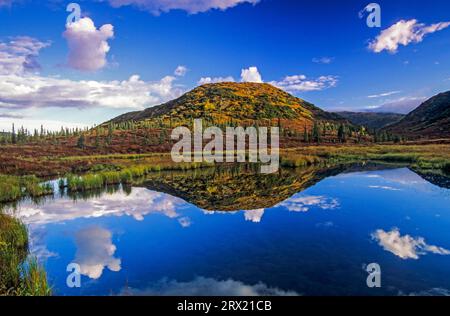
[
  {"x": 95, "y": 252},
  {"x": 202, "y": 286},
  {"x": 138, "y": 203},
  {"x": 304, "y": 203},
  {"x": 405, "y": 247},
  {"x": 254, "y": 216}
]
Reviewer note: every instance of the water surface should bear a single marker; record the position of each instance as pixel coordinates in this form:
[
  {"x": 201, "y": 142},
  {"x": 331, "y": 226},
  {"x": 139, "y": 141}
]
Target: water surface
[{"x": 306, "y": 232}]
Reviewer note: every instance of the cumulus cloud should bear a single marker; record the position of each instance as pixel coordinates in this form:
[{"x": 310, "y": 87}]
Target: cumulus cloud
[
  {"x": 202, "y": 286},
  {"x": 157, "y": 7},
  {"x": 88, "y": 45},
  {"x": 205, "y": 80},
  {"x": 405, "y": 247},
  {"x": 300, "y": 203},
  {"x": 251, "y": 74},
  {"x": 22, "y": 87},
  {"x": 300, "y": 83},
  {"x": 19, "y": 55},
  {"x": 254, "y": 216},
  {"x": 180, "y": 71},
  {"x": 404, "y": 33},
  {"x": 95, "y": 252},
  {"x": 292, "y": 84}
]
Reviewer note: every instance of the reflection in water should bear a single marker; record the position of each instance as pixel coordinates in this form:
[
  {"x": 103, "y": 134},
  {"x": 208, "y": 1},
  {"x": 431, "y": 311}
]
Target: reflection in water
[
  {"x": 405, "y": 247},
  {"x": 138, "y": 203},
  {"x": 232, "y": 232},
  {"x": 301, "y": 203},
  {"x": 95, "y": 251},
  {"x": 254, "y": 215},
  {"x": 209, "y": 287},
  {"x": 185, "y": 221},
  {"x": 383, "y": 187},
  {"x": 238, "y": 188}
]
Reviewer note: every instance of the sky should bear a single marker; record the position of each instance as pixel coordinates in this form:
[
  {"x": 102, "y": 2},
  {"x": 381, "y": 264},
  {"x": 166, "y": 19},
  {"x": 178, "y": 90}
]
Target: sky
[{"x": 127, "y": 55}]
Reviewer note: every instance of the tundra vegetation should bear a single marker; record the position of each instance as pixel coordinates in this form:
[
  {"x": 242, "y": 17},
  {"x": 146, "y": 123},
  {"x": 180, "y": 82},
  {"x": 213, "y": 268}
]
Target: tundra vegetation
[{"x": 20, "y": 275}]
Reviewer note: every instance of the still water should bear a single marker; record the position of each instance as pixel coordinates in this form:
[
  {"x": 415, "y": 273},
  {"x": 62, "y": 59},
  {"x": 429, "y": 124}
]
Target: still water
[{"x": 310, "y": 232}]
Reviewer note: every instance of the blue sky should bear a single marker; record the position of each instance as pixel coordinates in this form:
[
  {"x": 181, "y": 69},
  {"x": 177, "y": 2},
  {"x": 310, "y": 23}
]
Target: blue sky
[{"x": 321, "y": 51}]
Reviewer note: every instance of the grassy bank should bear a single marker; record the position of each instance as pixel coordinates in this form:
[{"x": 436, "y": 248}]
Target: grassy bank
[
  {"x": 426, "y": 157},
  {"x": 13, "y": 188},
  {"x": 100, "y": 179},
  {"x": 19, "y": 276}
]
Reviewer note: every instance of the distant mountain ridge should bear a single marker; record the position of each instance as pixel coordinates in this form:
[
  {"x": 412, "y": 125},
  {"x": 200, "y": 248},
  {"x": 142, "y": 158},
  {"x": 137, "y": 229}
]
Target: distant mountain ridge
[
  {"x": 430, "y": 120},
  {"x": 372, "y": 120}
]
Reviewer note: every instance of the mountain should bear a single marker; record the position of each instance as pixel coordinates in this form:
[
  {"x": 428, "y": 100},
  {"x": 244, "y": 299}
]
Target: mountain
[
  {"x": 430, "y": 120},
  {"x": 372, "y": 120},
  {"x": 238, "y": 103}
]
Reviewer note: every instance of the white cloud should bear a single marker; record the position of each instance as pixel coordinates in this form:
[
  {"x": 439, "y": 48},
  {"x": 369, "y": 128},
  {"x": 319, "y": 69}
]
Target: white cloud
[
  {"x": 95, "y": 252},
  {"x": 405, "y": 247},
  {"x": 25, "y": 91},
  {"x": 292, "y": 84},
  {"x": 385, "y": 94},
  {"x": 404, "y": 33},
  {"x": 300, "y": 203},
  {"x": 19, "y": 55},
  {"x": 191, "y": 6},
  {"x": 254, "y": 216},
  {"x": 205, "y": 80},
  {"x": 202, "y": 286},
  {"x": 180, "y": 71},
  {"x": 251, "y": 74},
  {"x": 21, "y": 87},
  {"x": 300, "y": 83},
  {"x": 323, "y": 60},
  {"x": 87, "y": 45}
]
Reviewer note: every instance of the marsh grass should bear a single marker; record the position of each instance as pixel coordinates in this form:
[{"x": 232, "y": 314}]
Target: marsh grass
[
  {"x": 300, "y": 161},
  {"x": 13, "y": 188},
  {"x": 19, "y": 276},
  {"x": 427, "y": 157},
  {"x": 125, "y": 176}
]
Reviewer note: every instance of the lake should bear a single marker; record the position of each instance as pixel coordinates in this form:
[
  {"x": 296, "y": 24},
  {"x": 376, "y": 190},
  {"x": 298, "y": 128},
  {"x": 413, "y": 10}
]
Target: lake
[{"x": 234, "y": 232}]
